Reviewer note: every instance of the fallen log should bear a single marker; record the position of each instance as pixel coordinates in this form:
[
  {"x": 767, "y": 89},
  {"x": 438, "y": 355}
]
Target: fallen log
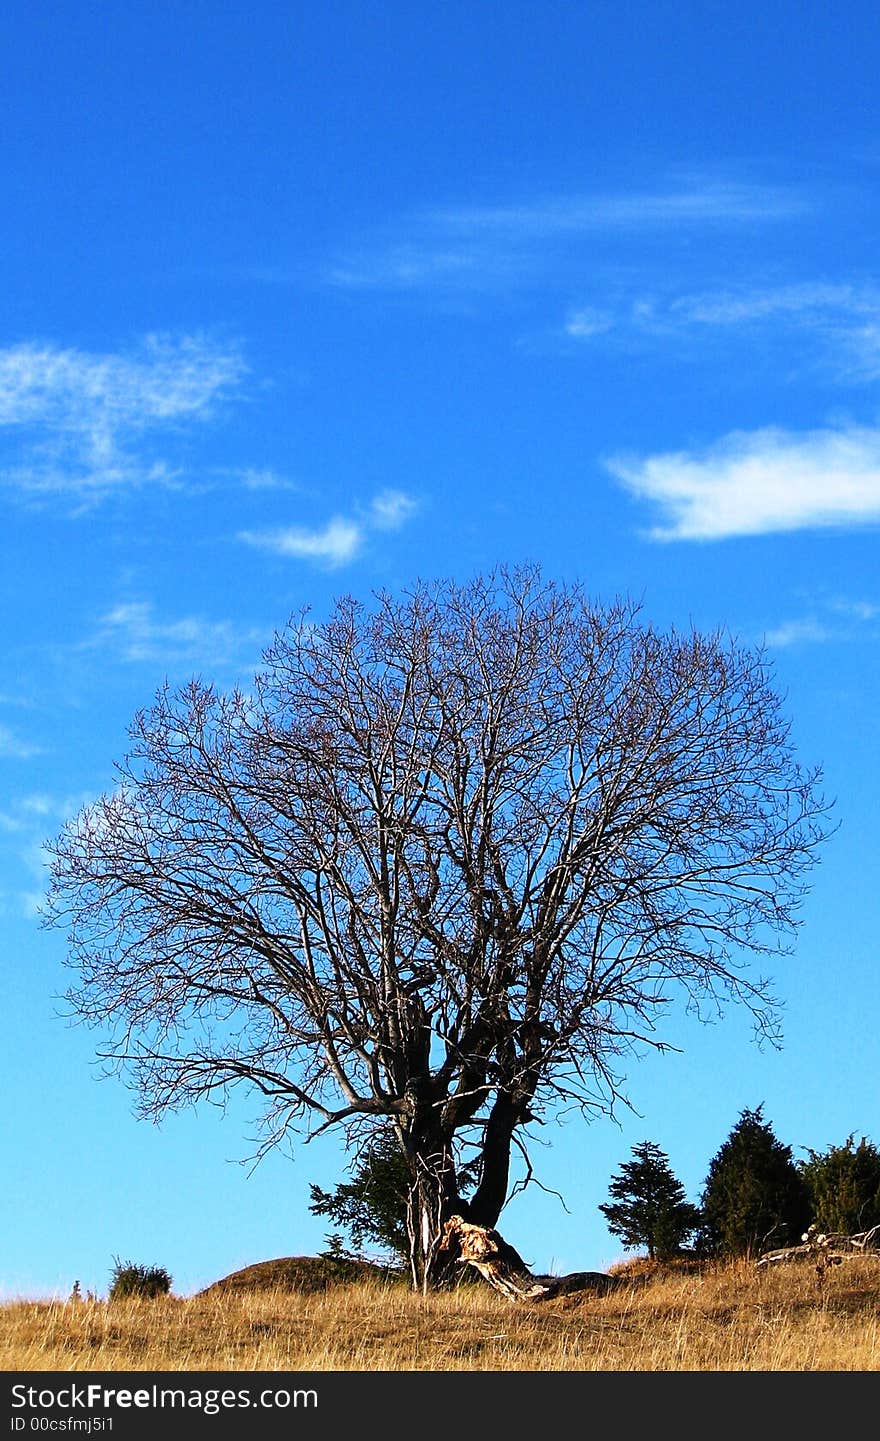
[
  {"x": 498, "y": 1263},
  {"x": 826, "y": 1249}
]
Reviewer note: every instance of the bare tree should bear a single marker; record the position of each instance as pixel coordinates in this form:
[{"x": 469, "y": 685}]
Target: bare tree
[{"x": 444, "y": 866}]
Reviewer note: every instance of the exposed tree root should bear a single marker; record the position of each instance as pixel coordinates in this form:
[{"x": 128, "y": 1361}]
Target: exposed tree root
[{"x": 504, "y": 1269}]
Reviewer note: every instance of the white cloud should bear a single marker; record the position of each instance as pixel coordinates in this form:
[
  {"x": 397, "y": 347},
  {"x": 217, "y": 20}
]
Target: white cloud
[
  {"x": 342, "y": 538},
  {"x": 81, "y": 421},
  {"x": 133, "y": 629},
  {"x": 406, "y": 267},
  {"x": 836, "y": 618},
  {"x": 743, "y": 306},
  {"x": 587, "y": 322},
  {"x": 759, "y": 482},
  {"x": 38, "y": 805},
  {"x": 266, "y": 479},
  {"x": 14, "y": 747},
  {"x": 163, "y": 380},
  {"x": 338, "y": 542},
  {"x": 798, "y": 632},
  {"x": 700, "y": 203},
  {"x": 391, "y": 509},
  {"x": 840, "y": 324},
  {"x": 864, "y": 610},
  {"x": 485, "y": 247},
  {"x": 842, "y": 320},
  {"x": 28, "y": 818},
  {"x": 28, "y": 811}
]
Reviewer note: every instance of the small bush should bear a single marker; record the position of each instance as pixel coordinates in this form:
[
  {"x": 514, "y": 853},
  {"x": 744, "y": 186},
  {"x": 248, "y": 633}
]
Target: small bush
[{"x": 129, "y": 1279}]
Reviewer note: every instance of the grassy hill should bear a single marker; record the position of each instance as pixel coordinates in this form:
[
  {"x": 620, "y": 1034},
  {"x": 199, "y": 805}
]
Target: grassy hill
[{"x": 291, "y": 1314}]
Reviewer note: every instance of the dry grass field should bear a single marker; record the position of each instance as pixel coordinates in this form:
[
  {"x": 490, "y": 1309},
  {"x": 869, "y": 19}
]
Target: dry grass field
[{"x": 733, "y": 1318}]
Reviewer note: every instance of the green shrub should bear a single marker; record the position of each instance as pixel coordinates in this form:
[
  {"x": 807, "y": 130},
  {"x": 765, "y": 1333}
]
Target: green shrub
[
  {"x": 129, "y": 1279},
  {"x": 844, "y": 1186}
]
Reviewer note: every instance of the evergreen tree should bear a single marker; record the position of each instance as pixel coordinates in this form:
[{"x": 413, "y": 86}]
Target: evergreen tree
[
  {"x": 755, "y": 1198},
  {"x": 844, "y": 1186},
  {"x": 649, "y": 1207},
  {"x": 371, "y": 1207}
]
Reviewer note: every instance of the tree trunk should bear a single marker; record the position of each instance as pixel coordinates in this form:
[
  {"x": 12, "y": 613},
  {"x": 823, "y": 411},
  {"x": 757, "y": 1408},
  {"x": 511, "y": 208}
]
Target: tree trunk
[
  {"x": 433, "y": 1197},
  {"x": 487, "y": 1202},
  {"x": 426, "y": 1212}
]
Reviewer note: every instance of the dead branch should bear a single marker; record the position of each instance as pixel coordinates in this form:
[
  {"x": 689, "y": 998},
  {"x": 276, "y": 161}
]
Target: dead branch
[{"x": 826, "y": 1249}]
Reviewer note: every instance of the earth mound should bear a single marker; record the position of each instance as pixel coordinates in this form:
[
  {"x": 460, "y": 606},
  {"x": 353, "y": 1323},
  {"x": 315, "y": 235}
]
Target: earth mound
[{"x": 302, "y": 1274}]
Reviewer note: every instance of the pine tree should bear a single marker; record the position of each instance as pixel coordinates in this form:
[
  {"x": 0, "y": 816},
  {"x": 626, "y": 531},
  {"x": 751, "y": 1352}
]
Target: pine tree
[
  {"x": 649, "y": 1207},
  {"x": 755, "y": 1197},
  {"x": 371, "y": 1207},
  {"x": 844, "y": 1186}
]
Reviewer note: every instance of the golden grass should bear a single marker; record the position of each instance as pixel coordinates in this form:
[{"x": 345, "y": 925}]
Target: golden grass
[{"x": 733, "y": 1318}]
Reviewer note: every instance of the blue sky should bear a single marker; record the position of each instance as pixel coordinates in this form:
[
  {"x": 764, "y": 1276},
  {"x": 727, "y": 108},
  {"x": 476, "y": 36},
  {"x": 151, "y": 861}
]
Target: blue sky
[{"x": 305, "y": 300}]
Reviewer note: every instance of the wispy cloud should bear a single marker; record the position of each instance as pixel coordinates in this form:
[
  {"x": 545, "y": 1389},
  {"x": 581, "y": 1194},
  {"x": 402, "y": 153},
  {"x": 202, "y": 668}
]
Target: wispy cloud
[
  {"x": 833, "y": 618},
  {"x": 25, "y": 821},
  {"x": 806, "y": 631},
  {"x": 266, "y": 479},
  {"x": 390, "y": 509},
  {"x": 755, "y": 483},
  {"x": 133, "y": 630},
  {"x": 343, "y": 538},
  {"x": 86, "y": 423},
  {"x": 414, "y": 265},
  {"x": 13, "y": 747},
  {"x": 860, "y": 610},
  {"x": 335, "y": 544},
  {"x": 471, "y": 247},
  {"x": 698, "y": 203},
  {"x": 586, "y": 322},
  {"x": 841, "y": 323},
  {"x": 806, "y": 301}
]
